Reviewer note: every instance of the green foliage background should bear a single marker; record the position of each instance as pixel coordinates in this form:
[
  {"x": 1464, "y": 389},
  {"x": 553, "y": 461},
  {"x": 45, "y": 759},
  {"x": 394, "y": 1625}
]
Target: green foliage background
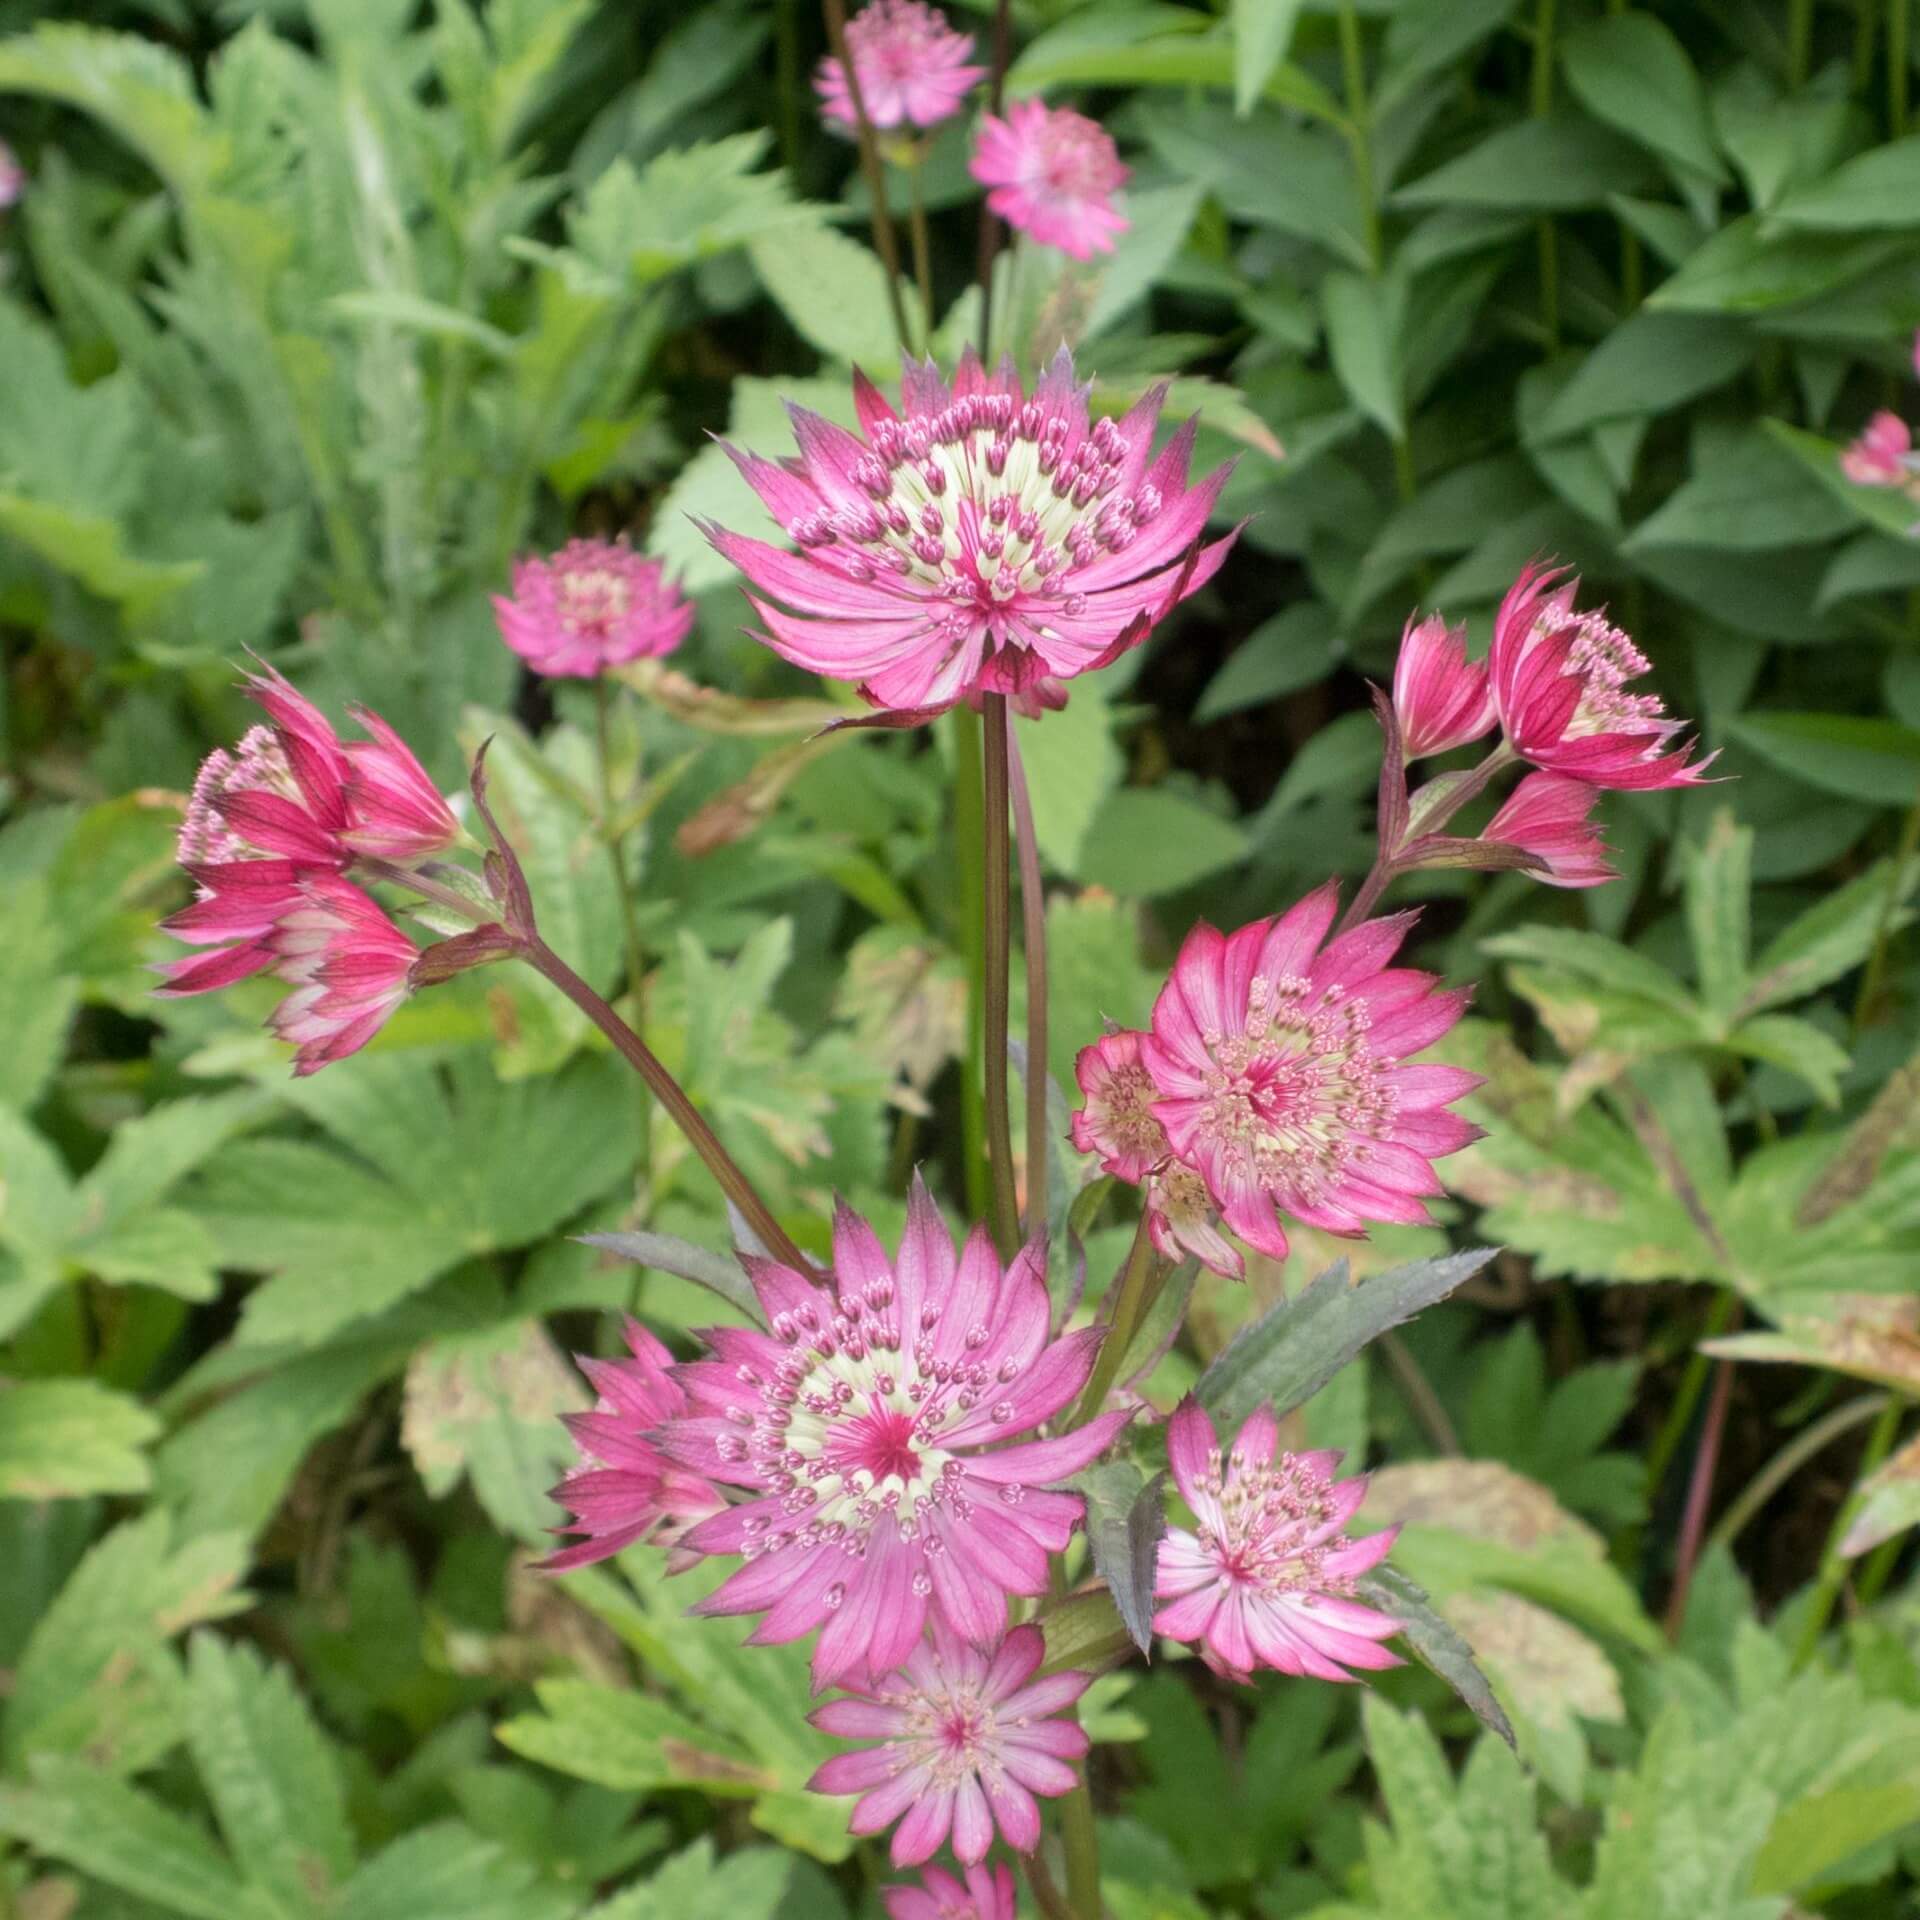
[{"x": 314, "y": 315}]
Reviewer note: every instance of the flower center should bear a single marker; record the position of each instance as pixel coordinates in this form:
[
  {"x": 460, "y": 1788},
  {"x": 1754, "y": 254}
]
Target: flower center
[
  {"x": 1266, "y": 1515},
  {"x": 258, "y": 763},
  {"x": 1604, "y": 659},
  {"x": 593, "y": 601},
  {"x": 991, "y": 507},
  {"x": 1130, "y": 1122},
  {"x": 1298, "y": 1094},
  {"x": 952, "y": 1733}
]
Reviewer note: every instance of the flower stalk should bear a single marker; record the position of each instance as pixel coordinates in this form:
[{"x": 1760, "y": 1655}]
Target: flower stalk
[
  {"x": 1033, "y": 935},
  {"x": 997, "y": 918},
  {"x": 885, "y": 241}
]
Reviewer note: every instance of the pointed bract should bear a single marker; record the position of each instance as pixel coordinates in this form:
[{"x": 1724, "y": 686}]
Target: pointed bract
[
  {"x": 1551, "y": 816},
  {"x": 1440, "y": 697}
]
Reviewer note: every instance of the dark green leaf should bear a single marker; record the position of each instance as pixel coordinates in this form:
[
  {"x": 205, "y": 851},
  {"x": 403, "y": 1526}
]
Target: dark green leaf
[
  {"x": 1126, "y": 1517},
  {"x": 1439, "y": 1646}
]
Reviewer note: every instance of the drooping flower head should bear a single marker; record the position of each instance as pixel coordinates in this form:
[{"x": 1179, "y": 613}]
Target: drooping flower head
[
  {"x": 911, "y": 63},
  {"x": 1441, "y": 699},
  {"x": 984, "y": 1895},
  {"x": 967, "y": 1737},
  {"x": 593, "y": 605},
  {"x": 1118, "y": 1123},
  {"x": 1882, "y": 454},
  {"x": 1052, "y": 173},
  {"x": 980, "y": 540},
  {"x": 1266, "y": 1578},
  {"x": 868, "y": 1429},
  {"x": 1283, "y": 1077},
  {"x": 349, "y": 967},
  {"x": 624, "y": 1489},
  {"x": 1552, "y": 816},
  {"x": 1559, "y": 681}
]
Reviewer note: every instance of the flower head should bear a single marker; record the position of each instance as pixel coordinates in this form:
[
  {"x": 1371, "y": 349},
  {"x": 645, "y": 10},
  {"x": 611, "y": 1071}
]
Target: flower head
[
  {"x": 1882, "y": 454},
  {"x": 867, "y": 1430},
  {"x": 1559, "y": 680},
  {"x": 1267, "y": 1577},
  {"x": 983, "y": 1896},
  {"x": 980, "y": 540},
  {"x": 624, "y": 1490},
  {"x": 349, "y": 968},
  {"x": 1282, "y": 1074},
  {"x": 1441, "y": 699},
  {"x": 1052, "y": 173},
  {"x": 397, "y": 812},
  {"x": 593, "y": 605},
  {"x": 966, "y": 1737},
  {"x": 1551, "y": 816},
  {"x": 911, "y": 63}
]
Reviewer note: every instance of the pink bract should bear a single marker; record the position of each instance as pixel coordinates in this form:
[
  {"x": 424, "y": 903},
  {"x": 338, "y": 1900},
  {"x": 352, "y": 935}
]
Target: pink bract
[
  {"x": 1441, "y": 699},
  {"x": 1881, "y": 455},
  {"x": 981, "y": 540},
  {"x": 397, "y": 812},
  {"x": 625, "y": 1490},
  {"x": 1118, "y": 1123},
  {"x": 1559, "y": 679},
  {"x": 1052, "y": 173},
  {"x": 967, "y": 1738},
  {"x": 984, "y": 1895},
  {"x": 1283, "y": 1076},
  {"x": 911, "y": 63},
  {"x": 13, "y": 177},
  {"x": 348, "y": 965},
  {"x": 1551, "y": 816},
  {"x": 867, "y": 1431},
  {"x": 593, "y": 605},
  {"x": 1267, "y": 1577}
]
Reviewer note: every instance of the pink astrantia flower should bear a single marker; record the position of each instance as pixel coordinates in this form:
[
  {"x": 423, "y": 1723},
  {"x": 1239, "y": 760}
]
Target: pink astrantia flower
[
  {"x": 1282, "y": 1074},
  {"x": 1551, "y": 816},
  {"x": 981, "y": 540},
  {"x": 593, "y": 605},
  {"x": 1882, "y": 454},
  {"x": 625, "y": 1490},
  {"x": 984, "y": 1895},
  {"x": 397, "y": 812},
  {"x": 911, "y": 63},
  {"x": 1267, "y": 1577},
  {"x": 1441, "y": 699},
  {"x": 1052, "y": 174},
  {"x": 1559, "y": 680},
  {"x": 349, "y": 968},
  {"x": 867, "y": 1428},
  {"x": 1118, "y": 1123},
  {"x": 967, "y": 1739}
]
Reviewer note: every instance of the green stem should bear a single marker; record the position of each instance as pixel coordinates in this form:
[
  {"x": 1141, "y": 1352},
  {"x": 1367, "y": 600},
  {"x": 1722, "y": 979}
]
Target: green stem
[
  {"x": 1139, "y": 1284},
  {"x": 1692, "y": 1384},
  {"x": 1543, "y": 55},
  {"x": 786, "y": 55},
  {"x": 969, "y": 810},
  {"x": 1353, "y": 68},
  {"x": 1899, "y": 64},
  {"x": 885, "y": 242},
  {"x": 1883, "y": 927},
  {"x": 614, "y": 839},
  {"x": 1082, "y": 1844},
  {"x": 997, "y": 914},
  {"x": 1799, "y": 42},
  {"x": 1033, "y": 936},
  {"x": 1833, "y": 1565},
  {"x": 1863, "y": 43},
  {"x": 922, "y": 251},
  {"x": 1788, "y": 1461},
  {"x": 989, "y": 224}
]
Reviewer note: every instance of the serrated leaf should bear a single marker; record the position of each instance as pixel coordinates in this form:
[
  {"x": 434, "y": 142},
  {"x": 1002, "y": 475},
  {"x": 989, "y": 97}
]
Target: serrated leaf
[
  {"x": 1126, "y": 1519},
  {"x": 449, "y": 1872},
  {"x": 1719, "y": 881},
  {"x": 834, "y": 292},
  {"x": 1832, "y": 937},
  {"x": 1440, "y": 1647},
  {"x": 1293, "y": 1350},
  {"x": 62, "y": 1438}
]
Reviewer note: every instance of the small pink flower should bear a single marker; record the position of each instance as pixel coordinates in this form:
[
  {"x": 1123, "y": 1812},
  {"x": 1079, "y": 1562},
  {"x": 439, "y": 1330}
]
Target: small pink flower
[
  {"x": 1441, "y": 699},
  {"x": 967, "y": 1739},
  {"x": 624, "y": 1490},
  {"x": 867, "y": 1430},
  {"x": 1559, "y": 680},
  {"x": 981, "y": 540},
  {"x": 348, "y": 965},
  {"x": 397, "y": 812},
  {"x": 984, "y": 1896},
  {"x": 593, "y": 605},
  {"x": 13, "y": 178},
  {"x": 1052, "y": 173},
  {"x": 1267, "y": 1579},
  {"x": 1283, "y": 1078},
  {"x": 1118, "y": 1123},
  {"x": 1882, "y": 454},
  {"x": 1550, "y": 815},
  {"x": 912, "y": 66}
]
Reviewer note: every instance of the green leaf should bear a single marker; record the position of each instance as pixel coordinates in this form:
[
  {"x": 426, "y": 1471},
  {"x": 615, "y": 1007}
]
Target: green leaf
[
  {"x": 833, "y": 291},
  {"x": 270, "y": 1775},
  {"x": 1556, "y": 164},
  {"x": 91, "y": 548},
  {"x": 1649, "y": 364},
  {"x": 1595, "y": 958},
  {"x": 1295, "y": 1348},
  {"x": 1126, "y": 1519},
  {"x": 1262, "y": 32},
  {"x": 718, "y": 1272},
  {"x": 61, "y": 1438},
  {"x": 1363, "y": 317},
  {"x": 114, "y": 1833},
  {"x": 1073, "y": 764},
  {"x": 1719, "y": 881},
  {"x": 749, "y": 1884},
  {"x": 1160, "y": 219},
  {"x": 1630, "y": 71},
  {"x": 1879, "y": 188},
  {"x": 1797, "y": 1046},
  {"x": 1293, "y": 649},
  {"x": 1751, "y": 497},
  {"x": 1848, "y": 754},
  {"x": 1148, "y": 840},
  {"x": 1749, "y": 267},
  {"x": 1888, "y": 509},
  {"x": 1438, "y": 1645},
  {"x": 1831, "y": 938},
  {"x": 1816, "y": 1834},
  {"x": 1426, "y": 35},
  {"x": 449, "y": 1872}
]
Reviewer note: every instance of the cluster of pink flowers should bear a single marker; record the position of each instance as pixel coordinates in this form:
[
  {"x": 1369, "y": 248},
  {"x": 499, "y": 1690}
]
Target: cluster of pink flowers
[
  {"x": 913, "y": 68},
  {"x": 1883, "y": 455},
  {"x": 594, "y": 605},
  {"x": 271, "y": 831}
]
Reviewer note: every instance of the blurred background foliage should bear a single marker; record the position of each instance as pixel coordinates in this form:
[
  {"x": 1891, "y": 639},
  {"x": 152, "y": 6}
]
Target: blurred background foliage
[{"x": 314, "y": 315}]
